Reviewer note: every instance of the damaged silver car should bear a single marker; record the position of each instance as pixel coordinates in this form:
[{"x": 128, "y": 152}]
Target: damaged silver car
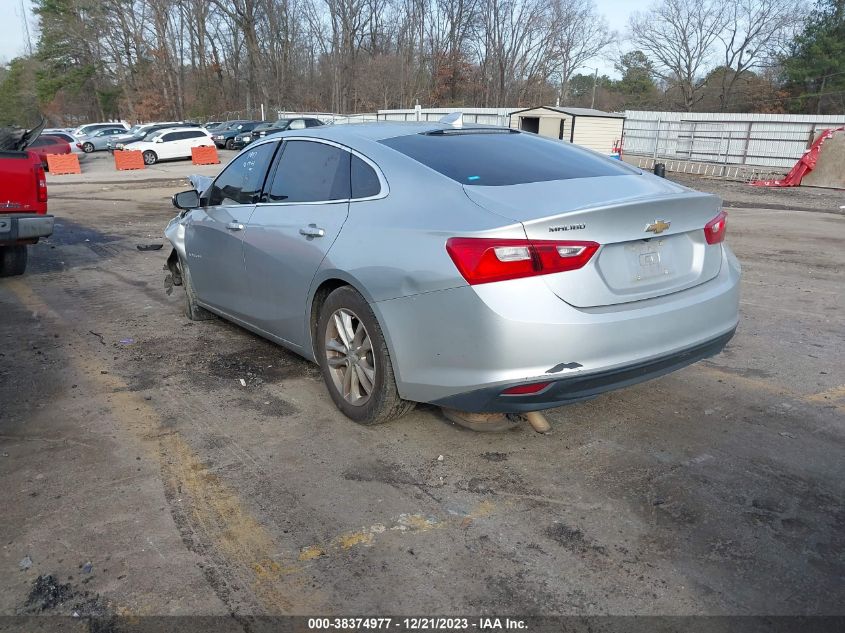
[{"x": 475, "y": 268}]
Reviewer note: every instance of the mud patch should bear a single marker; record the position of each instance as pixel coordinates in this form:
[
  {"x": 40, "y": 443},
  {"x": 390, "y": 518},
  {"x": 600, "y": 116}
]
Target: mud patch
[
  {"x": 383, "y": 472},
  {"x": 495, "y": 457},
  {"x": 268, "y": 406},
  {"x": 264, "y": 363},
  {"x": 573, "y": 539}
]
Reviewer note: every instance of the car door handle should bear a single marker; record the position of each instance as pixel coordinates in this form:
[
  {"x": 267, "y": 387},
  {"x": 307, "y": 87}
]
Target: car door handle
[
  {"x": 235, "y": 226},
  {"x": 312, "y": 230}
]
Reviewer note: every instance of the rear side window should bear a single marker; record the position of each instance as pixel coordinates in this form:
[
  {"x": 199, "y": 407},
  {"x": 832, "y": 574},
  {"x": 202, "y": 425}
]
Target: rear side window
[
  {"x": 241, "y": 181},
  {"x": 311, "y": 172},
  {"x": 365, "y": 183},
  {"x": 502, "y": 158}
]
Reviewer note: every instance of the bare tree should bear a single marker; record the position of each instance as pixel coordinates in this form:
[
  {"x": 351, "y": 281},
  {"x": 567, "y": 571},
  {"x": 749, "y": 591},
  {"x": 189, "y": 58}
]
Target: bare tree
[
  {"x": 578, "y": 34},
  {"x": 679, "y": 36},
  {"x": 753, "y": 29}
]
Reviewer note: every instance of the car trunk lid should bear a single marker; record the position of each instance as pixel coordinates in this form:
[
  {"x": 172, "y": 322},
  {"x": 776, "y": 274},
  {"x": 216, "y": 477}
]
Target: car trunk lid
[{"x": 650, "y": 231}]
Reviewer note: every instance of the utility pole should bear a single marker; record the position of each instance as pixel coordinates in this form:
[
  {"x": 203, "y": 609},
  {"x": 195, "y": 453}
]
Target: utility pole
[
  {"x": 26, "y": 30},
  {"x": 595, "y": 83}
]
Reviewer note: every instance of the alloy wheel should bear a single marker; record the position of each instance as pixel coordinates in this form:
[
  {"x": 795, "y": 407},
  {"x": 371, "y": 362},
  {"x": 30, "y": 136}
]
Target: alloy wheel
[{"x": 349, "y": 356}]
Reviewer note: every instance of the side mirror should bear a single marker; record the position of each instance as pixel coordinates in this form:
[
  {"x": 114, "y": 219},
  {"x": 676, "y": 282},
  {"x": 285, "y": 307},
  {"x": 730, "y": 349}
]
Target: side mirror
[
  {"x": 159, "y": 140},
  {"x": 186, "y": 200}
]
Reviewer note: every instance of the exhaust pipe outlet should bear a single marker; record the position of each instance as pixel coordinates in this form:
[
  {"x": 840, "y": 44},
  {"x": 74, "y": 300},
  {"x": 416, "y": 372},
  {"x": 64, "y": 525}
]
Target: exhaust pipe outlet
[{"x": 538, "y": 421}]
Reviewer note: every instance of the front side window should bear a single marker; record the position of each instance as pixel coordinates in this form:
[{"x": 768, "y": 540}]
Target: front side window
[
  {"x": 297, "y": 124},
  {"x": 241, "y": 181},
  {"x": 311, "y": 172}
]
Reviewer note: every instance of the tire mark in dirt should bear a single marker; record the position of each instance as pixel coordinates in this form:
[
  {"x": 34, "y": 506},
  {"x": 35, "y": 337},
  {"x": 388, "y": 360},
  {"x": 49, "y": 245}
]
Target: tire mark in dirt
[{"x": 214, "y": 522}]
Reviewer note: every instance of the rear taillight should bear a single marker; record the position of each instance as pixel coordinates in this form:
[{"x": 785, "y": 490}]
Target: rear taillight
[
  {"x": 522, "y": 390},
  {"x": 714, "y": 230},
  {"x": 484, "y": 260},
  {"x": 40, "y": 183}
]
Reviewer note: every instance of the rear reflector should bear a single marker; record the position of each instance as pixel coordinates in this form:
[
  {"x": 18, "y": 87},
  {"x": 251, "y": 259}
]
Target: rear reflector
[
  {"x": 522, "y": 390},
  {"x": 484, "y": 260},
  {"x": 40, "y": 183},
  {"x": 715, "y": 229}
]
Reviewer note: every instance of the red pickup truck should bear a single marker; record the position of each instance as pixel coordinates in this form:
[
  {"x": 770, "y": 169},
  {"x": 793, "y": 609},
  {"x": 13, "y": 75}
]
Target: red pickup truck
[{"x": 23, "y": 199}]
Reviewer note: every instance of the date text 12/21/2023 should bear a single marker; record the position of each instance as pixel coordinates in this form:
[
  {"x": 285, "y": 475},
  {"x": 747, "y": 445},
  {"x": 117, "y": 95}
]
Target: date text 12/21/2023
[{"x": 416, "y": 624}]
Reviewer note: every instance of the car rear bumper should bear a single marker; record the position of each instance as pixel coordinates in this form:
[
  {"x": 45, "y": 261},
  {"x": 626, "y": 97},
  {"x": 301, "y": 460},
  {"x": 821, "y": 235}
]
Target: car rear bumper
[
  {"x": 582, "y": 386},
  {"x": 462, "y": 347},
  {"x": 24, "y": 227}
]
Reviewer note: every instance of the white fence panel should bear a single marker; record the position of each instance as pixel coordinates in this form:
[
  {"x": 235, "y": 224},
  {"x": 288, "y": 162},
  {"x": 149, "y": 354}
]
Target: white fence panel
[{"x": 766, "y": 140}]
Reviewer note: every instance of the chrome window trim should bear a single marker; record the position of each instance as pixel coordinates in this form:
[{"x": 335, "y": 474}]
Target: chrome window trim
[{"x": 384, "y": 187}]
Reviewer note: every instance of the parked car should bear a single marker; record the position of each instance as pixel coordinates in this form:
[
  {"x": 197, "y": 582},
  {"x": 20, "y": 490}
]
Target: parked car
[
  {"x": 23, "y": 211},
  {"x": 85, "y": 130},
  {"x": 99, "y": 139},
  {"x": 211, "y": 125},
  {"x": 244, "y": 138},
  {"x": 172, "y": 143},
  {"x": 226, "y": 138},
  {"x": 294, "y": 123},
  {"x": 478, "y": 269},
  {"x": 44, "y": 145},
  {"x": 65, "y": 136},
  {"x": 141, "y": 134}
]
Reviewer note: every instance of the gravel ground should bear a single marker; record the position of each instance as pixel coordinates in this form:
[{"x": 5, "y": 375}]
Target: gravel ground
[{"x": 141, "y": 477}]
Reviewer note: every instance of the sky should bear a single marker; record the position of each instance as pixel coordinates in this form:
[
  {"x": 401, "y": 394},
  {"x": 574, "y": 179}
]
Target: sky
[{"x": 13, "y": 41}]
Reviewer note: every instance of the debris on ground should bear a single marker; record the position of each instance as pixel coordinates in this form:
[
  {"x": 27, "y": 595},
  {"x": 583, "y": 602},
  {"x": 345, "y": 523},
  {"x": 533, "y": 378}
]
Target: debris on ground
[
  {"x": 127, "y": 341},
  {"x": 149, "y": 247},
  {"x": 46, "y": 593},
  {"x": 99, "y": 336},
  {"x": 26, "y": 563},
  {"x": 87, "y": 568},
  {"x": 243, "y": 382}
]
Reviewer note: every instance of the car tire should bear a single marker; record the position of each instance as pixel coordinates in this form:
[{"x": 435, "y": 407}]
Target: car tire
[
  {"x": 192, "y": 309},
  {"x": 13, "y": 260},
  {"x": 343, "y": 368},
  {"x": 150, "y": 157},
  {"x": 230, "y": 143},
  {"x": 87, "y": 148}
]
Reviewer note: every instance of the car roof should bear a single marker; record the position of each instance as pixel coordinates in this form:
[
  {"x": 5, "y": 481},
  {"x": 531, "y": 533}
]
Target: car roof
[
  {"x": 165, "y": 130},
  {"x": 351, "y": 132}
]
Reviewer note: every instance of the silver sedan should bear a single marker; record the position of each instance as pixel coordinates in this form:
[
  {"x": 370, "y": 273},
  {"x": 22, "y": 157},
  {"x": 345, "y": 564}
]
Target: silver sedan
[
  {"x": 480, "y": 269},
  {"x": 98, "y": 140}
]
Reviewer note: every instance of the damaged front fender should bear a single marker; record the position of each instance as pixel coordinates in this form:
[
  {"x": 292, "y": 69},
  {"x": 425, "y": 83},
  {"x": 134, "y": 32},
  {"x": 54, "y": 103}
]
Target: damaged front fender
[{"x": 175, "y": 233}]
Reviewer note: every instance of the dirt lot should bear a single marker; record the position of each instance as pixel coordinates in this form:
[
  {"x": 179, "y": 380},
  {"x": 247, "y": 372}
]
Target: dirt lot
[{"x": 141, "y": 474}]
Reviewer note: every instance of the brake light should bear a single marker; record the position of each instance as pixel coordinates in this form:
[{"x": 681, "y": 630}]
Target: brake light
[
  {"x": 521, "y": 390},
  {"x": 40, "y": 183},
  {"x": 714, "y": 230},
  {"x": 485, "y": 260}
]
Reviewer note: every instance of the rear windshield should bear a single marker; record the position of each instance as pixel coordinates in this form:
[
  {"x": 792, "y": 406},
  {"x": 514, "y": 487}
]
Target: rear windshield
[{"x": 502, "y": 158}]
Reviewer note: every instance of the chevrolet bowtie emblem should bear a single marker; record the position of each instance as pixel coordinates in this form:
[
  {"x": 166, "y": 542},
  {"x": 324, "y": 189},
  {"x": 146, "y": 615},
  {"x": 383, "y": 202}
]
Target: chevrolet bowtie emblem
[{"x": 658, "y": 227}]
